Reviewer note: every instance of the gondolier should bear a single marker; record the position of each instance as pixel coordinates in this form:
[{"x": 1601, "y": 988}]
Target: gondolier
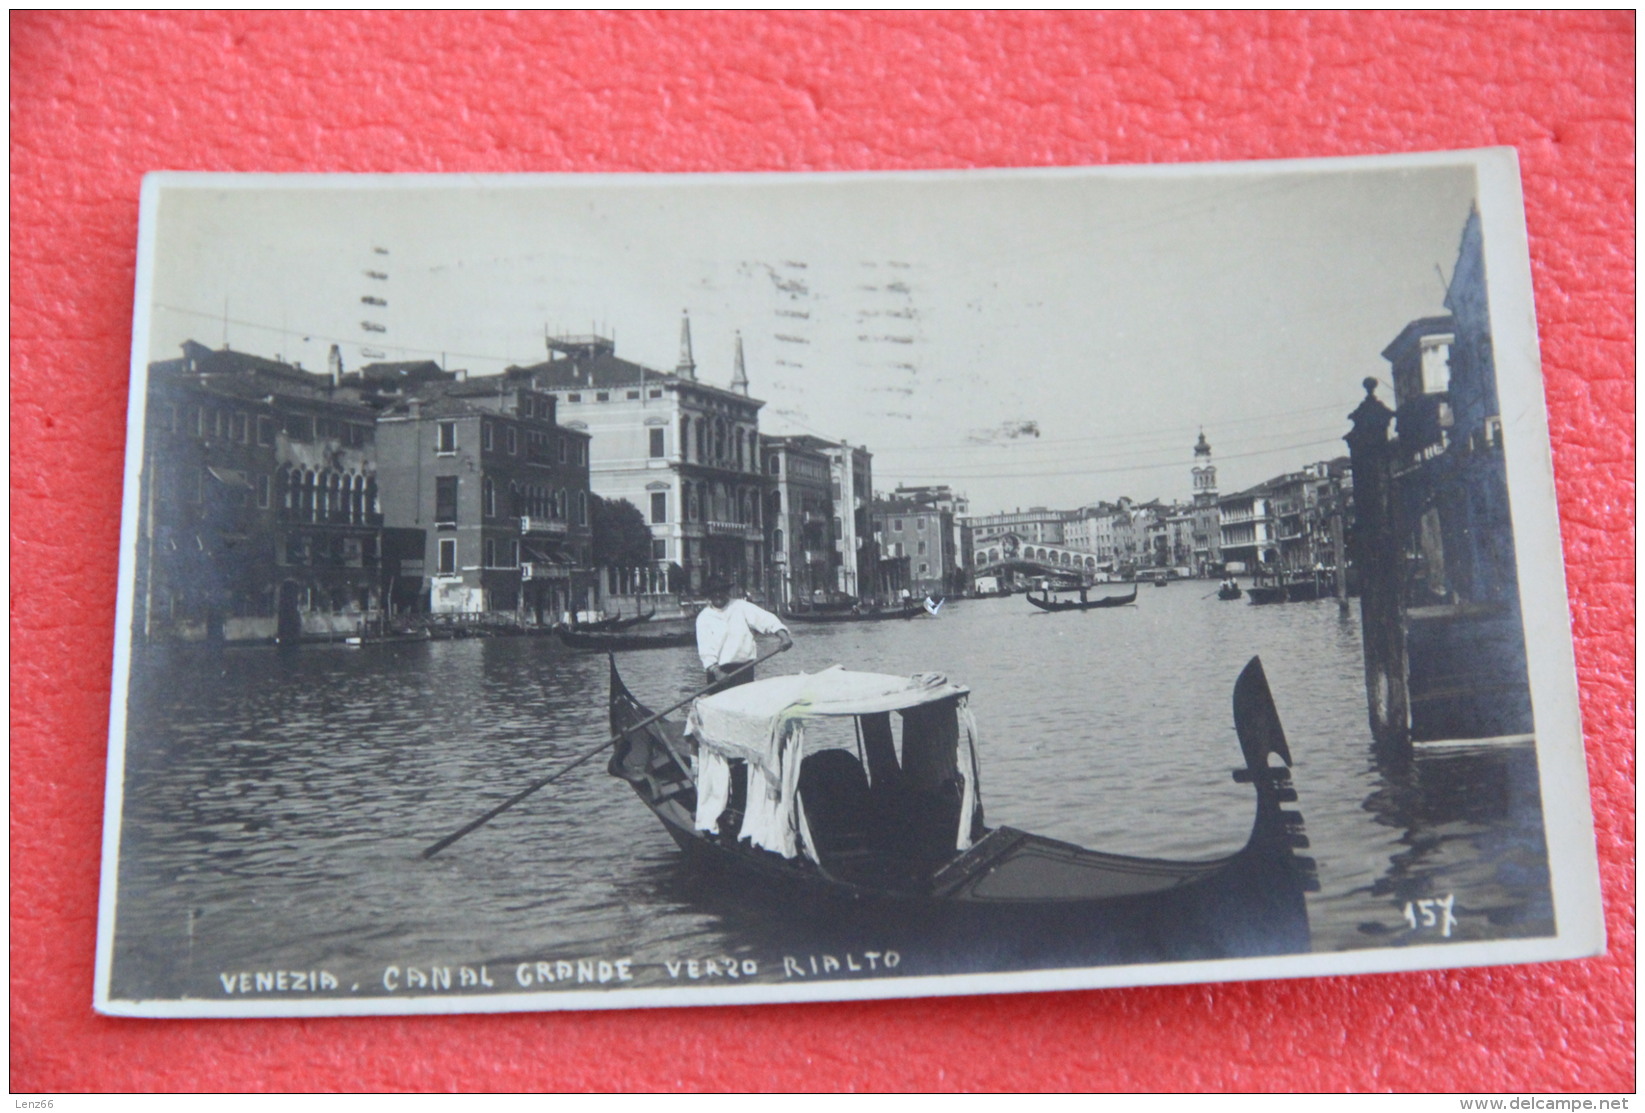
[{"x": 725, "y": 634}]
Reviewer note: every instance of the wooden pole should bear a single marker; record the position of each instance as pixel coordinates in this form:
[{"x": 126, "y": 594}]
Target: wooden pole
[{"x": 475, "y": 825}]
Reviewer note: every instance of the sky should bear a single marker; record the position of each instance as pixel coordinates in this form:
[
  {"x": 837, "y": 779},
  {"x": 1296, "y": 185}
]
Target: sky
[{"x": 1029, "y": 338}]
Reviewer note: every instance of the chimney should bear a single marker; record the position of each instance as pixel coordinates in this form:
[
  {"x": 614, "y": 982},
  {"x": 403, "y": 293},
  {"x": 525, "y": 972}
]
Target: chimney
[
  {"x": 334, "y": 365},
  {"x": 687, "y": 367},
  {"x": 739, "y": 374}
]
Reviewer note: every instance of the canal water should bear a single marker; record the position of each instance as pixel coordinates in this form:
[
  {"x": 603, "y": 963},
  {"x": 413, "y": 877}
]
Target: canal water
[{"x": 276, "y": 804}]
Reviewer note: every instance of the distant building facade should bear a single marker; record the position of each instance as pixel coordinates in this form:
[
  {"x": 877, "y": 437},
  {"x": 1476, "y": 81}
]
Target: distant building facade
[
  {"x": 924, "y": 536},
  {"x": 500, "y": 492},
  {"x": 800, "y": 520},
  {"x": 258, "y": 509},
  {"x": 685, "y": 452}
]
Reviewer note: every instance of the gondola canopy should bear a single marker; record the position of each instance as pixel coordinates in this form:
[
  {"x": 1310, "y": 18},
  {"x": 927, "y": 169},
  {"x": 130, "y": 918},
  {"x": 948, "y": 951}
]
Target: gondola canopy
[{"x": 763, "y": 724}]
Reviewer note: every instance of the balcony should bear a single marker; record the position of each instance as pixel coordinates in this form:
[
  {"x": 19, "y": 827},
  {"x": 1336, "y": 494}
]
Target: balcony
[
  {"x": 549, "y": 526},
  {"x": 733, "y": 529},
  {"x": 543, "y": 570}
]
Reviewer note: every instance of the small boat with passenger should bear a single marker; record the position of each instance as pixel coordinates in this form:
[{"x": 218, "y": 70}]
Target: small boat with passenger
[
  {"x": 864, "y": 787},
  {"x": 1046, "y": 603}
]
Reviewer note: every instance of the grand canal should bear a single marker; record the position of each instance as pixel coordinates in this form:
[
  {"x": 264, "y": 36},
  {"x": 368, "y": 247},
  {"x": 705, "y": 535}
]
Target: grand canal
[{"x": 276, "y": 804}]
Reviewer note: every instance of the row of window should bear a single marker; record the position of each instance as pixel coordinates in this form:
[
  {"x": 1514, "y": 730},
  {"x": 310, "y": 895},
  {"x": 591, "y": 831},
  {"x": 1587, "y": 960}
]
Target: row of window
[
  {"x": 541, "y": 447},
  {"x": 708, "y": 502},
  {"x": 528, "y": 500},
  {"x": 605, "y": 395},
  {"x": 239, "y": 427}
]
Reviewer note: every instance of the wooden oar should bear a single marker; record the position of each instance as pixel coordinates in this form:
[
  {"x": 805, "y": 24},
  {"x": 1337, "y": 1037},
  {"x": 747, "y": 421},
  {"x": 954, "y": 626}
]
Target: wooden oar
[{"x": 469, "y": 828}]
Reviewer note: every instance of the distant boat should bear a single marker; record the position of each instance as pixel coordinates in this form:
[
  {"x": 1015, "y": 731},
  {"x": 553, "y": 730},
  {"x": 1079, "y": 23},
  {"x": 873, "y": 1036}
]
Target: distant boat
[
  {"x": 1046, "y": 603},
  {"x": 824, "y": 617},
  {"x": 621, "y": 640},
  {"x": 1229, "y": 590}
]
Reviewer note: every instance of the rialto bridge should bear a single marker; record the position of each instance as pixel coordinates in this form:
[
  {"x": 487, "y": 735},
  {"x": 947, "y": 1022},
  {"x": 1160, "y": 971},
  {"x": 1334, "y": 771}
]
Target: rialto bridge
[{"x": 1009, "y": 553}]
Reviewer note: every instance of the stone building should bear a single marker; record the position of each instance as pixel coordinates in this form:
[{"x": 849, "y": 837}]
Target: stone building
[
  {"x": 685, "y": 452},
  {"x": 499, "y": 490},
  {"x": 258, "y": 512},
  {"x": 799, "y": 521},
  {"x": 924, "y": 535}
]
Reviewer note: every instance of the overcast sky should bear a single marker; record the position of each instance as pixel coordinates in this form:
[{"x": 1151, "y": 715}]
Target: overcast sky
[{"x": 1030, "y": 339}]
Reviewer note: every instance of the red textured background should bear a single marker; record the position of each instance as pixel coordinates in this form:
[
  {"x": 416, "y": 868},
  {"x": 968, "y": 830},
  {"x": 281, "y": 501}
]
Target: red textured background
[{"x": 98, "y": 99}]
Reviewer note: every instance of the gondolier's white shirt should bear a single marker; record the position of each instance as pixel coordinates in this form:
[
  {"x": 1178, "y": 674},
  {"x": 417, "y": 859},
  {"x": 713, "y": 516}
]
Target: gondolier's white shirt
[{"x": 726, "y": 637}]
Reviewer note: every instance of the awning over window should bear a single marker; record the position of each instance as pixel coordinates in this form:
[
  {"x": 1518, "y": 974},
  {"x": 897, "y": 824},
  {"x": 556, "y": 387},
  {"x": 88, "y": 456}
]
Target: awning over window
[{"x": 230, "y": 477}]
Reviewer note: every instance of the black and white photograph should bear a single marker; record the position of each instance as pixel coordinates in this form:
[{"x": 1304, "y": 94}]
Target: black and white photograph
[{"x": 606, "y": 591}]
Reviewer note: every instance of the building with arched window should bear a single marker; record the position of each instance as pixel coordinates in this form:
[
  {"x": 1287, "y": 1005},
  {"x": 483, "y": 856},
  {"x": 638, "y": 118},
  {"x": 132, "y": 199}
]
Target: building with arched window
[
  {"x": 685, "y": 452},
  {"x": 259, "y": 506}
]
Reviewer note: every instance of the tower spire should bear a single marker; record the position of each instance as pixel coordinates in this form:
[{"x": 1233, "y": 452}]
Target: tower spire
[
  {"x": 687, "y": 367},
  {"x": 739, "y": 374}
]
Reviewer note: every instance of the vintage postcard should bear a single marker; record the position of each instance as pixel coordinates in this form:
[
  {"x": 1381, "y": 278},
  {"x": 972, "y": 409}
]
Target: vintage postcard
[{"x": 555, "y": 592}]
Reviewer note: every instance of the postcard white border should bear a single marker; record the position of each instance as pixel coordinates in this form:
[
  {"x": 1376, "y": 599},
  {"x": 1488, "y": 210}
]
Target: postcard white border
[{"x": 1566, "y": 807}]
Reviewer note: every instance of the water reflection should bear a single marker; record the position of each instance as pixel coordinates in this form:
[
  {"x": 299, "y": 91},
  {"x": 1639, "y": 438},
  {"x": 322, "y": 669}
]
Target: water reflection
[
  {"x": 1469, "y": 823},
  {"x": 276, "y": 804}
]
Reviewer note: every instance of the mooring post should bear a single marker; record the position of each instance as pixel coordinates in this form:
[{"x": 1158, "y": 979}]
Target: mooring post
[{"x": 1379, "y": 557}]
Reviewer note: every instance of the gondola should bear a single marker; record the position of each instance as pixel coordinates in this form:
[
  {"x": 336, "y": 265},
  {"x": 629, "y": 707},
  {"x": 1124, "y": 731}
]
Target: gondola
[
  {"x": 622, "y": 640},
  {"x": 1229, "y": 591},
  {"x": 822, "y": 617},
  {"x": 1046, "y": 603},
  {"x": 904, "y": 825}
]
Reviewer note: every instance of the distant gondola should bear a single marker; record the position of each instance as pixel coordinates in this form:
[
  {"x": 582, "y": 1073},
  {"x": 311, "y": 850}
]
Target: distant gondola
[
  {"x": 821, "y": 617},
  {"x": 622, "y": 640},
  {"x": 1047, "y": 603}
]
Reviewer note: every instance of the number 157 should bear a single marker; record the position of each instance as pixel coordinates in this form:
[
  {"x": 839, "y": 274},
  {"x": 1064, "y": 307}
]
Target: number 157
[{"x": 1432, "y": 913}]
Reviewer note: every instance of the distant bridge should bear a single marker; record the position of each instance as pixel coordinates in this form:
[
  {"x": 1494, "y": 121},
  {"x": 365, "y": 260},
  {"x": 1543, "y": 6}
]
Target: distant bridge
[{"x": 1003, "y": 554}]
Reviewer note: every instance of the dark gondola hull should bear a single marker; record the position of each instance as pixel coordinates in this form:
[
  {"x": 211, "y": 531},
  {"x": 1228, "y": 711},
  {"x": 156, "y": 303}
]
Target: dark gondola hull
[
  {"x": 1043, "y": 900},
  {"x": 622, "y": 642},
  {"x": 1049, "y": 604},
  {"x": 805, "y": 618}
]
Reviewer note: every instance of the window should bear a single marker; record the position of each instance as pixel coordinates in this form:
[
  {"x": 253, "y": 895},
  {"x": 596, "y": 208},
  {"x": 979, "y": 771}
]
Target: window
[
  {"x": 488, "y": 498},
  {"x": 445, "y": 500},
  {"x": 896, "y": 525},
  {"x": 919, "y": 524},
  {"x": 924, "y": 568},
  {"x": 262, "y": 492},
  {"x": 582, "y": 508},
  {"x": 448, "y": 556},
  {"x": 489, "y": 548},
  {"x": 659, "y": 507},
  {"x": 574, "y": 398},
  {"x": 602, "y": 396},
  {"x": 633, "y": 394},
  {"x": 922, "y": 548},
  {"x": 656, "y": 444},
  {"x": 654, "y": 394},
  {"x": 562, "y": 451},
  {"x": 659, "y": 549},
  {"x": 513, "y": 439},
  {"x": 445, "y": 440},
  {"x": 241, "y": 426},
  {"x": 513, "y": 554},
  {"x": 485, "y": 436}
]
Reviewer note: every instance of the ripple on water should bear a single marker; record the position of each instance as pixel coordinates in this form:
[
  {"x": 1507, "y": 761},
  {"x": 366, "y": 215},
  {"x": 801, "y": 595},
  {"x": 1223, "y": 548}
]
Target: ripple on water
[{"x": 276, "y": 805}]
